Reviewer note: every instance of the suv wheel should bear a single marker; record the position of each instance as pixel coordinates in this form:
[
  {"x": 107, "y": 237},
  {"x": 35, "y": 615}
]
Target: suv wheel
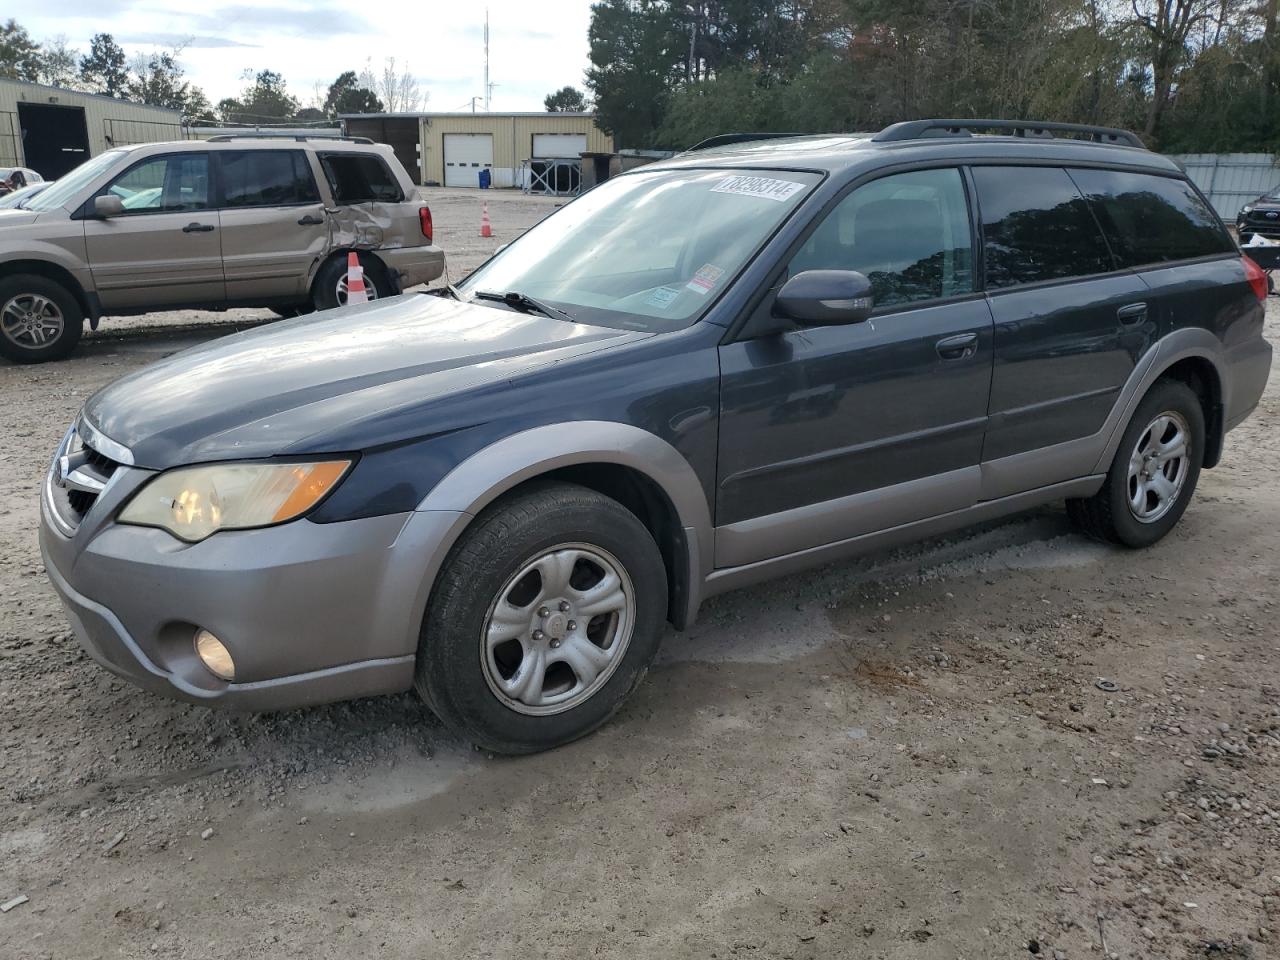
[
  {"x": 1154, "y": 472},
  {"x": 39, "y": 319},
  {"x": 330, "y": 289},
  {"x": 546, "y": 616}
]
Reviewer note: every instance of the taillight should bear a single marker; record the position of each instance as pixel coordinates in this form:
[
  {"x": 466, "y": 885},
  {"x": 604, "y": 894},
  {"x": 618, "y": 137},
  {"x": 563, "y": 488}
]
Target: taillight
[
  {"x": 424, "y": 218},
  {"x": 1257, "y": 278}
]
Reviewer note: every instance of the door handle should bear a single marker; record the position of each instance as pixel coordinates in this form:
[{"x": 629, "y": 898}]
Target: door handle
[
  {"x": 1132, "y": 313},
  {"x": 198, "y": 228},
  {"x": 310, "y": 221},
  {"x": 959, "y": 347}
]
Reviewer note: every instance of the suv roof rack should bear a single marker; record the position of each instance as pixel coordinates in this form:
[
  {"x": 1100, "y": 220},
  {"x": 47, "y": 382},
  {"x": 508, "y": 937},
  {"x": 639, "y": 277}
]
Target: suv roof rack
[
  {"x": 301, "y": 138},
  {"x": 725, "y": 139},
  {"x": 1033, "y": 129}
]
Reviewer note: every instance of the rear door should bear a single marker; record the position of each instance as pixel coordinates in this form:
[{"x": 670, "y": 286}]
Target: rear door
[
  {"x": 274, "y": 226},
  {"x": 828, "y": 433},
  {"x": 166, "y": 248},
  {"x": 1069, "y": 324}
]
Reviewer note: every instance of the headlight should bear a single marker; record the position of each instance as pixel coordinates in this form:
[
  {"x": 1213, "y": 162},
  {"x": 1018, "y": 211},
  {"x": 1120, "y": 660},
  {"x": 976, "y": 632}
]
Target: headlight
[{"x": 194, "y": 502}]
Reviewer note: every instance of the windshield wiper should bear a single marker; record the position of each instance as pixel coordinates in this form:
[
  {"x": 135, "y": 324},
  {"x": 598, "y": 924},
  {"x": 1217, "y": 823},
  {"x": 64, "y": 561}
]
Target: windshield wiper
[
  {"x": 524, "y": 303},
  {"x": 448, "y": 290}
]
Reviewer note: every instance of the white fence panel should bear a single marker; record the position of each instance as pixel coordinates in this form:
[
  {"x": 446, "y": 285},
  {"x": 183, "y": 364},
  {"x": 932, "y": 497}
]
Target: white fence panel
[{"x": 1230, "y": 180}]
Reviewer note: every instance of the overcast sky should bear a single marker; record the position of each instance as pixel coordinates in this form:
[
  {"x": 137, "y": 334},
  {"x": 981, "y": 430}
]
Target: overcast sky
[{"x": 534, "y": 47}]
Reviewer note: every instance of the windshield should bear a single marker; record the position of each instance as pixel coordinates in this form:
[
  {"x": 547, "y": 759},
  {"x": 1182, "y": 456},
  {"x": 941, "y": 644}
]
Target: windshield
[
  {"x": 646, "y": 251},
  {"x": 19, "y": 197},
  {"x": 68, "y": 188}
]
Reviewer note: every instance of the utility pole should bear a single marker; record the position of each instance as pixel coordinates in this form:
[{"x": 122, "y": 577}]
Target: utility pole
[{"x": 488, "y": 88}]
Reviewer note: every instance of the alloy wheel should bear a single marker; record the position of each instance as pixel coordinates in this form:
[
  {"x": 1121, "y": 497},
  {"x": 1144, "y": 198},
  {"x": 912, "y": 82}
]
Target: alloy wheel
[
  {"x": 1158, "y": 467},
  {"x": 31, "y": 320}
]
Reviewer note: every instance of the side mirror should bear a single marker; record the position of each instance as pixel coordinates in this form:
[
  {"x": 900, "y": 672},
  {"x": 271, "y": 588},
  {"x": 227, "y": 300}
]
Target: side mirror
[
  {"x": 822, "y": 298},
  {"x": 108, "y": 206}
]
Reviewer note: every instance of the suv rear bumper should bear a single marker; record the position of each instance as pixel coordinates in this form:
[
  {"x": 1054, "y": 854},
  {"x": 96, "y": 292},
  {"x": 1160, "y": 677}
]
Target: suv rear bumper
[{"x": 410, "y": 266}]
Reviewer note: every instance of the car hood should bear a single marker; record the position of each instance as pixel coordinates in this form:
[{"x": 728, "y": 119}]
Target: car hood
[
  {"x": 284, "y": 388},
  {"x": 16, "y": 216}
]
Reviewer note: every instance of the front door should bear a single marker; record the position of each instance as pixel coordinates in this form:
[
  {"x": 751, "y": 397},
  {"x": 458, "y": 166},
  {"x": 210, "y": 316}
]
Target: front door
[
  {"x": 828, "y": 433},
  {"x": 274, "y": 225},
  {"x": 165, "y": 249}
]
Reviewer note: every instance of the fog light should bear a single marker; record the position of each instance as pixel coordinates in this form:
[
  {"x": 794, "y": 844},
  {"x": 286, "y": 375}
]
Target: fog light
[{"x": 215, "y": 656}]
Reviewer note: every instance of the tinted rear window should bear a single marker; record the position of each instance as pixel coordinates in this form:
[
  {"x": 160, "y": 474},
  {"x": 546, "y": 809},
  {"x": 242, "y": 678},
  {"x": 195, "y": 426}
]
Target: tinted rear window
[
  {"x": 266, "y": 178},
  {"x": 359, "y": 178},
  {"x": 1036, "y": 226},
  {"x": 1150, "y": 219}
]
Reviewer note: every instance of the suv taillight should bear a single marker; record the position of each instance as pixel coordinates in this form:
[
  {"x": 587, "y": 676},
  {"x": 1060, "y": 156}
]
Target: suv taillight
[
  {"x": 424, "y": 218},
  {"x": 1257, "y": 278}
]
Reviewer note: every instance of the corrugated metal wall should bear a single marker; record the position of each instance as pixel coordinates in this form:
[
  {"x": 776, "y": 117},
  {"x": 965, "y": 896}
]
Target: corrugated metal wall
[
  {"x": 512, "y": 138},
  {"x": 108, "y": 122},
  {"x": 1230, "y": 180}
]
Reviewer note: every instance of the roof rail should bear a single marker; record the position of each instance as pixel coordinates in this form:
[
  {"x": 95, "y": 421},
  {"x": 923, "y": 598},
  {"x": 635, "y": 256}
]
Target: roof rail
[
  {"x": 922, "y": 129},
  {"x": 725, "y": 139},
  {"x": 300, "y": 138}
]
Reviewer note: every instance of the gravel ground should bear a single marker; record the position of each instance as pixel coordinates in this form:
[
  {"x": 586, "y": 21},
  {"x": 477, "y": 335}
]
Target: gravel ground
[{"x": 904, "y": 757}]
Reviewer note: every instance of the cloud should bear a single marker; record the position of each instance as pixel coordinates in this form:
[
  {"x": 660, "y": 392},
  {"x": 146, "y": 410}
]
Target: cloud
[
  {"x": 182, "y": 40},
  {"x": 314, "y": 20}
]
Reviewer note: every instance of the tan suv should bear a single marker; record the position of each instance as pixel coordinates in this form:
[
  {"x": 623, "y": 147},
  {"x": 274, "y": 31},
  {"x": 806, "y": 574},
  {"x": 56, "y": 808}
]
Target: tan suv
[{"x": 229, "y": 222}]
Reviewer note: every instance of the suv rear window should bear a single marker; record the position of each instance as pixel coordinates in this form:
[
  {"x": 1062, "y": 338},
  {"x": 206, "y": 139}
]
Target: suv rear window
[
  {"x": 1036, "y": 226},
  {"x": 1150, "y": 219},
  {"x": 266, "y": 178},
  {"x": 360, "y": 178}
]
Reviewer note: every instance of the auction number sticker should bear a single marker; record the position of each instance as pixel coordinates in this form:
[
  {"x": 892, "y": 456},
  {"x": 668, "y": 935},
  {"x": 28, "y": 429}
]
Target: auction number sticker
[
  {"x": 705, "y": 280},
  {"x": 662, "y": 298},
  {"x": 767, "y": 187}
]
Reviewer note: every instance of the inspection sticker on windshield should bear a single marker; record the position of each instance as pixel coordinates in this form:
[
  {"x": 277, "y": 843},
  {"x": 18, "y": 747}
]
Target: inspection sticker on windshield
[
  {"x": 662, "y": 297},
  {"x": 705, "y": 280},
  {"x": 767, "y": 187}
]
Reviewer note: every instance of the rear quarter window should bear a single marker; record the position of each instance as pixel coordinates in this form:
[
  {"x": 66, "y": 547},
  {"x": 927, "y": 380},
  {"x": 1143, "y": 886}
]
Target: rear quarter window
[
  {"x": 1036, "y": 227},
  {"x": 1151, "y": 219},
  {"x": 360, "y": 178}
]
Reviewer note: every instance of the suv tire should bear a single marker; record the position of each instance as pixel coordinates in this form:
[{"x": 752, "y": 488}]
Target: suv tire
[
  {"x": 1150, "y": 483},
  {"x": 584, "y": 592},
  {"x": 40, "y": 319},
  {"x": 324, "y": 292}
]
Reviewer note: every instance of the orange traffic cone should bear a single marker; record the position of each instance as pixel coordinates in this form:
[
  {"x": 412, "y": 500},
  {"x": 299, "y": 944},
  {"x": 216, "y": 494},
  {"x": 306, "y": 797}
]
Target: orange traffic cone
[
  {"x": 356, "y": 292},
  {"x": 485, "y": 229}
]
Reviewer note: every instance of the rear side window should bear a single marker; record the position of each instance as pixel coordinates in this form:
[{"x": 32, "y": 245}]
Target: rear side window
[
  {"x": 266, "y": 178},
  {"x": 1150, "y": 219},
  {"x": 1036, "y": 226},
  {"x": 360, "y": 178}
]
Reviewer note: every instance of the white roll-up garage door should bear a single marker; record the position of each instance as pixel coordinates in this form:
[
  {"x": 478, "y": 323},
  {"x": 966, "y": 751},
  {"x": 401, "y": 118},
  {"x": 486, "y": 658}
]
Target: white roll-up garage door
[
  {"x": 549, "y": 146},
  {"x": 465, "y": 155}
]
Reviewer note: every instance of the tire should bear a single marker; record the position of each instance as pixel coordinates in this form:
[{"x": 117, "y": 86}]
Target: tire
[
  {"x": 324, "y": 291},
  {"x": 470, "y": 657},
  {"x": 1120, "y": 512},
  {"x": 293, "y": 309},
  {"x": 27, "y": 299}
]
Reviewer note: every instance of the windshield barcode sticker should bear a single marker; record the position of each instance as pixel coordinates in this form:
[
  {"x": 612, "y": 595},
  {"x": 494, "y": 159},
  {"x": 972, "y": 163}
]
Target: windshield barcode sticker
[{"x": 767, "y": 187}]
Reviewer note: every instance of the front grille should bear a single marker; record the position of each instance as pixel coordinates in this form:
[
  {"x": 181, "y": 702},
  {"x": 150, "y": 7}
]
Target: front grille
[
  {"x": 76, "y": 479},
  {"x": 1264, "y": 218}
]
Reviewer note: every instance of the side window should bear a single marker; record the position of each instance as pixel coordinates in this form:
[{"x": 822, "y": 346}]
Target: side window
[
  {"x": 1036, "y": 226},
  {"x": 266, "y": 178},
  {"x": 908, "y": 233},
  {"x": 360, "y": 178},
  {"x": 179, "y": 181},
  {"x": 1150, "y": 219}
]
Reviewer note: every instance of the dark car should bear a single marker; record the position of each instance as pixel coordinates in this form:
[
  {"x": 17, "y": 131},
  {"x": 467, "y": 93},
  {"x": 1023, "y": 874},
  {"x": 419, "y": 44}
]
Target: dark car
[
  {"x": 1261, "y": 217},
  {"x": 735, "y": 364}
]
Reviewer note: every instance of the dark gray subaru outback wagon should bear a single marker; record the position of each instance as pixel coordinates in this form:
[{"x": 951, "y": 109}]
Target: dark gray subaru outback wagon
[{"x": 750, "y": 359}]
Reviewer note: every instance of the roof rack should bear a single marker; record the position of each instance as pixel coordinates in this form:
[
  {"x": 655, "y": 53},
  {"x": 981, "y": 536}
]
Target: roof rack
[
  {"x": 922, "y": 129},
  {"x": 725, "y": 139},
  {"x": 300, "y": 138}
]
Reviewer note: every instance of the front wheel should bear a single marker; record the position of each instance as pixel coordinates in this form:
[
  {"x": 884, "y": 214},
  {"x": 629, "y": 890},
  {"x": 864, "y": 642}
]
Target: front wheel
[
  {"x": 546, "y": 616},
  {"x": 1154, "y": 473},
  {"x": 40, "y": 320}
]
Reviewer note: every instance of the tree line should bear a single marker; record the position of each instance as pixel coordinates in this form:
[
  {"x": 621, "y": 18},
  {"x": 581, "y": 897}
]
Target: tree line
[
  {"x": 1189, "y": 75},
  {"x": 159, "y": 79}
]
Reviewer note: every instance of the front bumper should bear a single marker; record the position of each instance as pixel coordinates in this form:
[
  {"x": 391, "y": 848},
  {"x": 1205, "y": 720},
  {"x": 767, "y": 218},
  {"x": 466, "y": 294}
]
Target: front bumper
[
  {"x": 310, "y": 612},
  {"x": 411, "y": 266}
]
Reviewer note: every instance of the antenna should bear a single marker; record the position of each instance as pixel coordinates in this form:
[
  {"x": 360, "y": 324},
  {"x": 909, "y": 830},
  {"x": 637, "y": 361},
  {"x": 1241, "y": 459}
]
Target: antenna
[{"x": 488, "y": 87}]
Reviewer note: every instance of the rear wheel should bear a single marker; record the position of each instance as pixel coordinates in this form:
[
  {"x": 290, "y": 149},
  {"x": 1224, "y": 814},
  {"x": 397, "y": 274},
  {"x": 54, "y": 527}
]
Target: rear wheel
[
  {"x": 330, "y": 289},
  {"x": 546, "y": 615},
  {"x": 40, "y": 319},
  {"x": 1154, "y": 473}
]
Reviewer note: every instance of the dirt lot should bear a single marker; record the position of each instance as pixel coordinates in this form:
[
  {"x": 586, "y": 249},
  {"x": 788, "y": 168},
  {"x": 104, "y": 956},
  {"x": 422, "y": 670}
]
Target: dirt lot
[{"x": 900, "y": 758}]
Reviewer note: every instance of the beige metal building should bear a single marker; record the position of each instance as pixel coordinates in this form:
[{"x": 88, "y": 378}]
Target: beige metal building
[
  {"x": 52, "y": 130},
  {"x": 452, "y": 148}
]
